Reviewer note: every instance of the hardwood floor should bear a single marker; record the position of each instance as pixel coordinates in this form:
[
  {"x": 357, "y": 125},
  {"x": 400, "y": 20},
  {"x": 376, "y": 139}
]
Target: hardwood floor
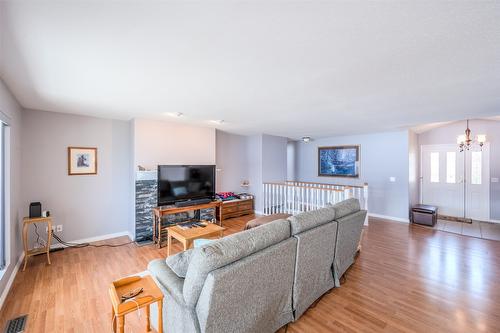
[{"x": 407, "y": 279}]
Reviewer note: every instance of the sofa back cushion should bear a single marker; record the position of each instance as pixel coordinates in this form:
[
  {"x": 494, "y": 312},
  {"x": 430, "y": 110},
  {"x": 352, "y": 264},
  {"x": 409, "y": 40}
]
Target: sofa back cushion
[
  {"x": 253, "y": 294},
  {"x": 313, "y": 265},
  {"x": 308, "y": 220},
  {"x": 346, "y": 207},
  {"x": 228, "y": 250}
]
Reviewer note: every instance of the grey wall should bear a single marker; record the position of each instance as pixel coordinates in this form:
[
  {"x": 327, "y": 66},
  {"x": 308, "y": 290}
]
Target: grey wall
[
  {"x": 414, "y": 168},
  {"x": 10, "y": 112},
  {"x": 448, "y": 135},
  {"x": 290, "y": 160},
  {"x": 383, "y": 155},
  {"x": 254, "y": 160},
  {"x": 86, "y": 206},
  {"x": 274, "y": 158},
  {"x": 231, "y": 159}
]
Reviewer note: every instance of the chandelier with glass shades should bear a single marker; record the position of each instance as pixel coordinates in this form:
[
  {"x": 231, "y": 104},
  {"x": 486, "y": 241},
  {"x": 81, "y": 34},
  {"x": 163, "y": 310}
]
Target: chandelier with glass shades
[{"x": 465, "y": 141}]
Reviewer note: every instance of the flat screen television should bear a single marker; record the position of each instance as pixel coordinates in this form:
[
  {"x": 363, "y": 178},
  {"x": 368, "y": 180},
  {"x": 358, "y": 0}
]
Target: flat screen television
[{"x": 185, "y": 182}]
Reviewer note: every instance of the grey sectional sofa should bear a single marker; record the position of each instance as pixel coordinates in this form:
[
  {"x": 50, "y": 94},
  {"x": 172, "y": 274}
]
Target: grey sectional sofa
[{"x": 260, "y": 279}]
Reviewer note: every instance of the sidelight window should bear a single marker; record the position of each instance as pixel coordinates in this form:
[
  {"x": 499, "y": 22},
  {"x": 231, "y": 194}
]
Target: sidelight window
[
  {"x": 451, "y": 167},
  {"x": 435, "y": 167},
  {"x": 476, "y": 166}
]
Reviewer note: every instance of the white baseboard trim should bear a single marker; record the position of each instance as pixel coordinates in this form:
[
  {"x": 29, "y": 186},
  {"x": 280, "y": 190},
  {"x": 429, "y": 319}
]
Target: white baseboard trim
[
  {"x": 5, "y": 292},
  {"x": 392, "y": 218},
  {"x": 258, "y": 212},
  {"x": 94, "y": 239}
]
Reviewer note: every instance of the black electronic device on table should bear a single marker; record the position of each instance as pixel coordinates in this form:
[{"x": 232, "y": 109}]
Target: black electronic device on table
[{"x": 35, "y": 210}]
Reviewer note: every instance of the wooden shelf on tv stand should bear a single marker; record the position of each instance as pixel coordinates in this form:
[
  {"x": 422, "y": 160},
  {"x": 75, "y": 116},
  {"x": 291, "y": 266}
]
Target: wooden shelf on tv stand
[{"x": 159, "y": 234}]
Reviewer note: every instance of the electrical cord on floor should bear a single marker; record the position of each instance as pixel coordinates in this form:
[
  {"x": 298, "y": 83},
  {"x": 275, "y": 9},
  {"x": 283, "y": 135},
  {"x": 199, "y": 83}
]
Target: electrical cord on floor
[
  {"x": 38, "y": 237},
  {"x": 78, "y": 245}
]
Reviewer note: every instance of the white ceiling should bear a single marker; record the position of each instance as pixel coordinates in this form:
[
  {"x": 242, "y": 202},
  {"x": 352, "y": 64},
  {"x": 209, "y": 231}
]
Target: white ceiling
[{"x": 279, "y": 67}]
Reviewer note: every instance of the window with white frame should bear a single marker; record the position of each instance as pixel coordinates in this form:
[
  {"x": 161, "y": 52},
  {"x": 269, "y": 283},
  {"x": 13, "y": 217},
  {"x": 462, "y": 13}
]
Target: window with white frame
[
  {"x": 476, "y": 166},
  {"x": 451, "y": 167},
  {"x": 434, "y": 167}
]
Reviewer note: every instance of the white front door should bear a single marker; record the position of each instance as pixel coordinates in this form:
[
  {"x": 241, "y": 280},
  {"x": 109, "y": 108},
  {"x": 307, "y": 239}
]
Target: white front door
[
  {"x": 456, "y": 182},
  {"x": 443, "y": 179},
  {"x": 477, "y": 183}
]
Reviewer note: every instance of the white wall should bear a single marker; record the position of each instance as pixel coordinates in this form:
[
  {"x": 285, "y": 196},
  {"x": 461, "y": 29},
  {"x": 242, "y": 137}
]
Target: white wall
[
  {"x": 87, "y": 206},
  {"x": 162, "y": 142},
  {"x": 231, "y": 157},
  {"x": 10, "y": 112},
  {"x": 448, "y": 135},
  {"x": 383, "y": 155}
]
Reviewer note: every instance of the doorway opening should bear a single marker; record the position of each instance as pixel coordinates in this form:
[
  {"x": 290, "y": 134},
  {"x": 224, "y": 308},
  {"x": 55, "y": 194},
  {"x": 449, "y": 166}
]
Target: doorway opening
[{"x": 457, "y": 182}]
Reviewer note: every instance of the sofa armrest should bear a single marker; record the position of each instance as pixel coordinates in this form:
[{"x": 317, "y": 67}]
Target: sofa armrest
[
  {"x": 346, "y": 245},
  {"x": 169, "y": 282}
]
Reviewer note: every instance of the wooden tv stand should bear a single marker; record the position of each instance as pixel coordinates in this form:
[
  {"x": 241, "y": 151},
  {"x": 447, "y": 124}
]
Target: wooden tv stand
[{"x": 160, "y": 232}]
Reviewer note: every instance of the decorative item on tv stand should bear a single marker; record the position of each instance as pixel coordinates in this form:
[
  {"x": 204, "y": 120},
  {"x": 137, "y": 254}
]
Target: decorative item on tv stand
[{"x": 245, "y": 184}]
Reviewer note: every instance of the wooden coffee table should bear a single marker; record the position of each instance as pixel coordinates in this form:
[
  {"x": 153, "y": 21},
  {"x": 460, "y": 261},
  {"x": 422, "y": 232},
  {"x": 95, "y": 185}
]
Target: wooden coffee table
[
  {"x": 186, "y": 236},
  {"x": 150, "y": 294}
]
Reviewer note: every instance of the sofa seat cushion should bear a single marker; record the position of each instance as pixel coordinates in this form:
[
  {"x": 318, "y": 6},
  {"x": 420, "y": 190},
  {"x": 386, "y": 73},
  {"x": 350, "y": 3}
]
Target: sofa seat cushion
[
  {"x": 227, "y": 250},
  {"x": 179, "y": 262},
  {"x": 346, "y": 207},
  {"x": 308, "y": 220}
]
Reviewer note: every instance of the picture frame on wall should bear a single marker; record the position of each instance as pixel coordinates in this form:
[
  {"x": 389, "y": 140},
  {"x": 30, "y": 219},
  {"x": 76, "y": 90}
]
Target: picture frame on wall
[
  {"x": 339, "y": 161},
  {"x": 82, "y": 161}
]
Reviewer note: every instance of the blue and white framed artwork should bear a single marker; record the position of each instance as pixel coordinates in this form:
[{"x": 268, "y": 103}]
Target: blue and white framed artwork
[{"x": 341, "y": 161}]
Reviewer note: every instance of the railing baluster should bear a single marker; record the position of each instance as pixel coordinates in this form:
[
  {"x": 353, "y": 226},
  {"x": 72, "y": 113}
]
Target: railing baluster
[
  {"x": 278, "y": 208},
  {"x": 302, "y": 199},
  {"x": 307, "y": 196},
  {"x": 282, "y": 201},
  {"x": 264, "y": 199},
  {"x": 275, "y": 199}
]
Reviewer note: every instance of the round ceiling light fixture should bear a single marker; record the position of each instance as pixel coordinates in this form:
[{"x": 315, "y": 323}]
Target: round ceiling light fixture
[
  {"x": 306, "y": 139},
  {"x": 174, "y": 114}
]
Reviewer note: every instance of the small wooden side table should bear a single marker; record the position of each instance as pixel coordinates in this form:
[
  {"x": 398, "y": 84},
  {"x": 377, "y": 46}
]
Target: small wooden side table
[
  {"x": 150, "y": 294},
  {"x": 186, "y": 236},
  {"x": 33, "y": 252}
]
